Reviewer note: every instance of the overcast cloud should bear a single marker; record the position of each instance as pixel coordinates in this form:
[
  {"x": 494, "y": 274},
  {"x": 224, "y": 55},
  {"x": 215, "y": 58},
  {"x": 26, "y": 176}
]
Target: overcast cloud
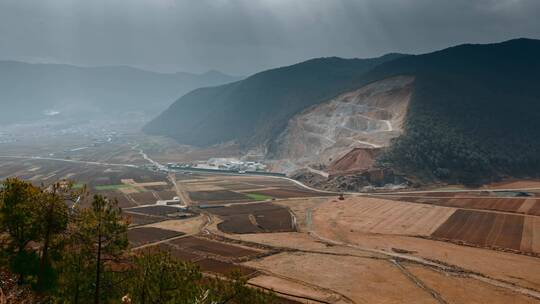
[{"x": 245, "y": 36}]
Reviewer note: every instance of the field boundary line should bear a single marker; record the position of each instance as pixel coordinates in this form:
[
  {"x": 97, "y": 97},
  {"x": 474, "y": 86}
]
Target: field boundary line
[
  {"x": 418, "y": 282},
  {"x": 439, "y": 265},
  {"x": 288, "y": 294},
  {"x": 309, "y": 285}
]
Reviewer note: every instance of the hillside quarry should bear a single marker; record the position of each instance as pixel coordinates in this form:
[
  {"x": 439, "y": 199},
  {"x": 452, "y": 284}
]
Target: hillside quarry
[
  {"x": 468, "y": 114},
  {"x": 346, "y": 133}
]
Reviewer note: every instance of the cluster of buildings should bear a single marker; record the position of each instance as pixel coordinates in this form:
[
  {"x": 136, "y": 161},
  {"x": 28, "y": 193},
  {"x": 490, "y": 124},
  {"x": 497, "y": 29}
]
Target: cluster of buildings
[
  {"x": 228, "y": 164},
  {"x": 235, "y": 164}
]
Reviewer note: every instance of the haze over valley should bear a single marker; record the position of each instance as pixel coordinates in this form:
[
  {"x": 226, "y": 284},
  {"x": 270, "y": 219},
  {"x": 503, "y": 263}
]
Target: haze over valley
[{"x": 269, "y": 152}]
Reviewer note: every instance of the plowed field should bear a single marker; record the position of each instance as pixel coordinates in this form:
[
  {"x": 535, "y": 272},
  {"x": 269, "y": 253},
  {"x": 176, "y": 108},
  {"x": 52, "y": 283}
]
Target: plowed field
[
  {"x": 254, "y": 218},
  {"x": 217, "y": 196},
  {"x": 146, "y": 235},
  {"x": 483, "y": 229},
  {"x": 383, "y": 216},
  {"x": 205, "y": 247}
]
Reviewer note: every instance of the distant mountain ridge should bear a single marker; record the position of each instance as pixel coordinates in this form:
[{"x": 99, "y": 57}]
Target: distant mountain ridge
[
  {"x": 474, "y": 114},
  {"x": 28, "y": 90}
]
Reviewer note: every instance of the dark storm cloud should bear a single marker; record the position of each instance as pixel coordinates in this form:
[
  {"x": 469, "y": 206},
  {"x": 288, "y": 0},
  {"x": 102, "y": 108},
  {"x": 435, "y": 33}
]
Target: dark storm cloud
[{"x": 243, "y": 36}]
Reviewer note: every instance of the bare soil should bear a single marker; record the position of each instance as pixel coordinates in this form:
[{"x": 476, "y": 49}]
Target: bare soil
[
  {"x": 254, "y": 218},
  {"x": 362, "y": 280},
  {"x": 146, "y": 235},
  {"x": 463, "y": 290},
  {"x": 188, "y": 226},
  {"x": 156, "y": 210},
  {"x": 290, "y": 287},
  {"x": 483, "y": 228},
  {"x": 216, "y": 196},
  {"x": 205, "y": 246},
  {"x": 371, "y": 215},
  {"x": 142, "y": 219},
  {"x": 224, "y": 268},
  {"x": 358, "y": 159}
]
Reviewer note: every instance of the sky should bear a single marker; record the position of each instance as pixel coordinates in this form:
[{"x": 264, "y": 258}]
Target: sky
[{"x": 242, "y": 37}]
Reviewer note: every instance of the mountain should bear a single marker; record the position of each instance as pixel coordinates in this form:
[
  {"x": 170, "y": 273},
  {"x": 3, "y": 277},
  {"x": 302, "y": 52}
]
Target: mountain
[
  {"x": 31, "y": 91},
  {"x": 468, "y": 114},
  {"x": 253, "y": 111},
  {"x": 475, "y": 113}
]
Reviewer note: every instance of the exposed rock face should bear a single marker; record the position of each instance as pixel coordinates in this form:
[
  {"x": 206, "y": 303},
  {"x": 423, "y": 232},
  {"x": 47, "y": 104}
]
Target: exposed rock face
[
  {"x": 363, "y": 121},
  {"x": 365, "y": 180},
  {"x": 358, "y": 159}
]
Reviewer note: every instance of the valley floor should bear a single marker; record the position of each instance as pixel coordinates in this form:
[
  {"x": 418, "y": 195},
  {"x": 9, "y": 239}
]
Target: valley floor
[{"x": 438, "y": 246}]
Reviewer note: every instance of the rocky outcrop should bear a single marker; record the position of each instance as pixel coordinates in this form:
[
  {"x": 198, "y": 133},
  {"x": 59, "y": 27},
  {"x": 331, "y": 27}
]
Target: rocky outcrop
[{"x": 366, "y": 180}]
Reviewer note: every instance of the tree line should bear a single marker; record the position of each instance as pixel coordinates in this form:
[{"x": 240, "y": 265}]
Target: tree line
[{"x": 52, "y": 250}]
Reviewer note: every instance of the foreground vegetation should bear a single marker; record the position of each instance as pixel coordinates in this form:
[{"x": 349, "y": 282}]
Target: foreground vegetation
[{"x": 53, "y": 251}]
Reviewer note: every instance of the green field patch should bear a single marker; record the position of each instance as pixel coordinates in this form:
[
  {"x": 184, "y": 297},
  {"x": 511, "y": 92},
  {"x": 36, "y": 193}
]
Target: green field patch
[
  {"x": 258, "y": 197},
  {"x": 77, "y": 186},
  {"x": 111, "y": 187}
]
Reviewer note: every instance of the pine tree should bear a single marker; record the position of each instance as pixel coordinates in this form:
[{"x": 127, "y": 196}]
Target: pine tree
[
  {"x": 98, "y": 242},
  {"x": 19, "y": 219}
]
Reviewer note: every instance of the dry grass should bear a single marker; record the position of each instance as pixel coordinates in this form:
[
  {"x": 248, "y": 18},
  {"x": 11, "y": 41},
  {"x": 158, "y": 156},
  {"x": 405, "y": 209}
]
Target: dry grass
[
  {"x": 463, "y": 290},
  {"x": 381, "y": 216},
  {"x": 363, "y": 280},
  {"x": 188, "y": 226},
  {"x": 531, "y": 235},
  {"x": 290, "y": 287}
]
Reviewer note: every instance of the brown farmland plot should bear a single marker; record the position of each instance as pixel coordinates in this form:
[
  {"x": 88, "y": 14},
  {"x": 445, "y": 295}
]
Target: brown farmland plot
[
  {"x": 145, "y": 235},
  {"x": 217, "y": 196},
  {"x": 204, "y": 246},
  {"x": 239, "y": 224},
  {"x": 530, "y": 241},
  {"x": 484, "y": 229},
  {"x": 499, "y": 204},
  {"x": 291, "y": 193},
  {"x": 123, "y": 200},
  {"x": 254, "y": 218},
  {"x": 381, "y": 216},
  {"x": 137, "y": 219},
  {"x": 515, "y": 205},
  {"x": 166, "y": 195},
  {"x": 160, "y": 210},
  {"x": 179, "y": 253},
  {"x": 219, "y": 267},
  {"x": 143, "y": 198}
]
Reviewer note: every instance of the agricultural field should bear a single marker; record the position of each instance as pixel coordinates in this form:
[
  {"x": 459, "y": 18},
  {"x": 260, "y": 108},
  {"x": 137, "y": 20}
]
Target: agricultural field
[
  {"x": 373, "y": 215},
  {"x": 433, "y": 251},
  {"x": 311, "y": 247},
  {"x": 529, "y": 204},
  {"x": 253, "y": 218},
  {"x": 206, "y": 189},
  {"x": 144, "y": 235},
  {"x": 484, "y": 229},
  {"x": 211, "y": 256},
  {"x": 346, "y": 279}
]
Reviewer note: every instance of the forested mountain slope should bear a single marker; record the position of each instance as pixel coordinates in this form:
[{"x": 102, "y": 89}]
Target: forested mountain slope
[
  {"x": 254, "y": 111},
  {"x": 474, "y": 112}
]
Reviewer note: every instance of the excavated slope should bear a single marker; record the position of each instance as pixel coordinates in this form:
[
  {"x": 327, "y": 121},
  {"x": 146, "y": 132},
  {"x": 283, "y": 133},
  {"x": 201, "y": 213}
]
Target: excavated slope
[{"x": 367, "y": 118}]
